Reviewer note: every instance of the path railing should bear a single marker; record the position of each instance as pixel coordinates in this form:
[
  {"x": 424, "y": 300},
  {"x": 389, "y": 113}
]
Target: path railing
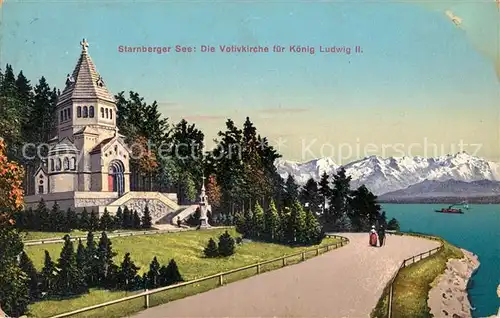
[
  {"x": 111, "y": 235},
  {"x": 220, "y": 277},
  {"x": 409, "y": 261}
]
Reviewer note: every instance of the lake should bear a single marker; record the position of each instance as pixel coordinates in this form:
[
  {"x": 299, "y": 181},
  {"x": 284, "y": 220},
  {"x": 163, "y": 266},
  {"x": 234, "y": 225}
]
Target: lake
[{"x": 477, "y": 231}]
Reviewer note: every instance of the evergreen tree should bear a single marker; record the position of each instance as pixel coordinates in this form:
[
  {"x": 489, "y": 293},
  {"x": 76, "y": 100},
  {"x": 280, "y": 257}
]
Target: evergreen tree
[
  {"x": 299, "y": 224},
  {"x": 271, "y": 220},
  {"x": 291, "y": 191},
  {"x": 136, "y": 220},
  {"x": 324, "y": 190},
  {"x": 339, "y": 200},
  {"x": 85, "y": 220},
  {"x": 393, "y": 224},
  {"x": 211, "y": 250},
  {"x": 313, "y": 229},
  {"x": 226, "y": 245},
  {"x": 258, "y": 221},
  {"x": 365, "y": 211},
  {"x": 106, "y": 269},
  {"x": 118, "y": 221},
  {"x": 43, "y": 115},
  {"x": 153, "y": 280},
  {"x": 128, "y": 221},
  {"x": 106, "y": 221},
  {"x": 127, "y": 275},
  {"x": 310, "y": 196},
  {"x": 146, "y": 219},
  {"x": 43, "y": 216},
  {"x": 70, "y": 281},
  {"x": 241, "y": 224},
  {"x": 72, "y": 222},
  {"x": 30, "y": 220},
  {"x": 56, "y": 218},
  {"x": 27, "y": 267},
  {"x": 94, "y": 221},
  {"x": 48, "y": 275},
  {"x": 81, "y": 258},
  {"x": 171, "y": 274},
  {"x": 91, "y": 261}
]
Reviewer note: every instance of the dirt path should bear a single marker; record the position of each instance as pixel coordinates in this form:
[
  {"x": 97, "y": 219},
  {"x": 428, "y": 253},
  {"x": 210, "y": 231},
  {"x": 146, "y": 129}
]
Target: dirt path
[{"x": 346, "y": 282}]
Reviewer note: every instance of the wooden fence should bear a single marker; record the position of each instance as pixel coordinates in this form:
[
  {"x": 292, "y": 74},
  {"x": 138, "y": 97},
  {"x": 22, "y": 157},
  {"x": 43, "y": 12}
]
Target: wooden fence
[
  {"x": 407, "y": 262},
  {"x": 220, "y": 276}
]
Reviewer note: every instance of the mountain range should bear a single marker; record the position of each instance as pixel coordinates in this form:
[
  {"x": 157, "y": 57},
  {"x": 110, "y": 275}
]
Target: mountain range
[{"x": 416, "y": 176}]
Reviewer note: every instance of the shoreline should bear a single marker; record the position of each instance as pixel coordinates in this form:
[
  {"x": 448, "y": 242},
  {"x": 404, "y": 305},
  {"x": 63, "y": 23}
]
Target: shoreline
[{"x": 448, "y": 296}]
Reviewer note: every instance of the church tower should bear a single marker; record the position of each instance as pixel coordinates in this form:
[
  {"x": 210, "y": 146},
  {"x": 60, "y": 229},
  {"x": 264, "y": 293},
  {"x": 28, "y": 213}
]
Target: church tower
[{"x": 86, "y": 102}]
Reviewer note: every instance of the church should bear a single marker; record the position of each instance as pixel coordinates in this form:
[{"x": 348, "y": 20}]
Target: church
[{"x": 88, "y": 161}]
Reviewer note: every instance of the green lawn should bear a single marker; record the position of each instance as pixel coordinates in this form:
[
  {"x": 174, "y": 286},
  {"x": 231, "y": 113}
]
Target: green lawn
[
  {"x": 413, "y": 283},
  {"x": 187, "y": 250},
  {"x": 35, "y": 235}
]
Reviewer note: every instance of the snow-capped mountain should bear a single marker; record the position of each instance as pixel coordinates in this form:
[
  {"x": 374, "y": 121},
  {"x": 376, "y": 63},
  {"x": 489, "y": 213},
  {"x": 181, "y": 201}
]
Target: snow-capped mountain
[{"x": 382, "y": 175}]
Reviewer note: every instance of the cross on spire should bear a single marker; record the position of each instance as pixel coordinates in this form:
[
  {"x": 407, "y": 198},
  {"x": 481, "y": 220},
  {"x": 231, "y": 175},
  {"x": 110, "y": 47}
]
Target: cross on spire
[{"x": 84, "y": 45}]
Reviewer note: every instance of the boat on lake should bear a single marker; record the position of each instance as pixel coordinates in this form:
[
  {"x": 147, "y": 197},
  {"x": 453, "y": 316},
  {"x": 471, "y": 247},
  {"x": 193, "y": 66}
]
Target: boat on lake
[{"x": 450, "y": 210}]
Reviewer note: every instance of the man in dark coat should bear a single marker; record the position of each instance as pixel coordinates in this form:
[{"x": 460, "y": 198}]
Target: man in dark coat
[{"x": 381, "y": 235}]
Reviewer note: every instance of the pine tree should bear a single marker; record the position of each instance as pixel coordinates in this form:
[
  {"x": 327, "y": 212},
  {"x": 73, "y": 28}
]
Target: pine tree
[
  {"x": 171, "y": 275},
  {"x": 42, "y": 213},
  {"x": 226, "y": 245},
  {"x": 48, "y": 275},
  {"x": 127, "y": 274},
  {"x": 106, "y": 221},
  {"x": 241, "y": 224},
  {"x": 81, "y": 258},
  {"x": 27, "y": 267},
  {"x": 310, "y": 196},
  {"x": 136, "y": 220},
  {"x": 339, "y": 202},
  {"x": 258, "y": 221},
  {"x": 104, "y": 263},
  {"x": 71, "y": 220},
  {"x": 313, "y": 229},
  {"x": 324, "y": 190},
  {"x": 211, "y": 250},
  {"x": 154, "y": 274},
  {"x": 91, "y": 261},
  {"x": 299, "y": 225},
  {"x": 146, "y": 219},
  {"x": 85, "y": 220},
  {"x": 42, "y": 116},
  {"x": 70, "y": 281},
  {"x": 393, "y": 224},
  {"x": 56, "y": 218},
  {"x": 364, "y": 209},
  {"x": 291, "y": 191},
  {"x": 118, "y": 220},
  {"x": 271, "y": 221},
  {"x": 94, "y": 221},
  {"x": 128, "y": 222}
]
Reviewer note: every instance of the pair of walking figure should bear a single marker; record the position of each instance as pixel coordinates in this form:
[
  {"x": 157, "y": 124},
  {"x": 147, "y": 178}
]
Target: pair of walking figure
[{"x": 377, "y": 238}]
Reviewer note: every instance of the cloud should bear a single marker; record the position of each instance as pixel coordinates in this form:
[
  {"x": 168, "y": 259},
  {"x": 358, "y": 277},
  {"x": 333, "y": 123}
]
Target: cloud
[
  {"x": 203, "y": 117},
  {"x": 281, "y": 110}
]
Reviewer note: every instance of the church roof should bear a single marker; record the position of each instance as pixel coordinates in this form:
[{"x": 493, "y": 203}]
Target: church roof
[
  {"x": 64, "y": 146},
  {"x": 85, "y": 82},
  {"x": 87, "y": 130},
  {"x": 99, "y": 146}
]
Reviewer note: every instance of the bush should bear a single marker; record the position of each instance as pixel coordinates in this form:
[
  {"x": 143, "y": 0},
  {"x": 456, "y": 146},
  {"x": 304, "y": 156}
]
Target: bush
[
  {"x": 226, "y": 245},
  {"x": 211, "y": 250}
]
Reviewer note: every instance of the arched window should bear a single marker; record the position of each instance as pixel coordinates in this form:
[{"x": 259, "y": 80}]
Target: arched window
[
  {"x": 102, "y": 112},
  {"x": 91, "y": 111},
  {"x": 79, "y": 111},
  {"x": 62, "y": 115},
  {"x": 51, "y": 164},
  {"x": 107, "y": 113},
  {"x": 58, "y": 164},
  {"x": 66, "y": 163},
  {"x": 85, "y": 112},
  {"x": 111, "y": 114},
  {"x": 73, "y": 163}
]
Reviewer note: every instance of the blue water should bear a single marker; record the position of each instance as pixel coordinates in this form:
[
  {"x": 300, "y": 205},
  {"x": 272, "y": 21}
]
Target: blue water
[{"x": 478, "y": 230}]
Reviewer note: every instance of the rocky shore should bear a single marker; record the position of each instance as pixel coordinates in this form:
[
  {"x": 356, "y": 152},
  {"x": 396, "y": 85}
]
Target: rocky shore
[{"x": 448, "y": 296}]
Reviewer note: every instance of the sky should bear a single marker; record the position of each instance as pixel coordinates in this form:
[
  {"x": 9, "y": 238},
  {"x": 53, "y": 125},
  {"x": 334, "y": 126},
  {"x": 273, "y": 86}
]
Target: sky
[{"x": 422, "y": 85}]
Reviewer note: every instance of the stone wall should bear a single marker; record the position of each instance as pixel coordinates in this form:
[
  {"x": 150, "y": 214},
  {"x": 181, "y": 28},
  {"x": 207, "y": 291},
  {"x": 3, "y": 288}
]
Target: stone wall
[{"x": 157, "y": 208}]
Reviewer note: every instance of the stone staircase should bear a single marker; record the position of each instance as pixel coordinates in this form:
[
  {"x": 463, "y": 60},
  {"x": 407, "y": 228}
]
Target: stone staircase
[
  {"x": 159, "y": 204},
  {"x": 183, "y": 212}
]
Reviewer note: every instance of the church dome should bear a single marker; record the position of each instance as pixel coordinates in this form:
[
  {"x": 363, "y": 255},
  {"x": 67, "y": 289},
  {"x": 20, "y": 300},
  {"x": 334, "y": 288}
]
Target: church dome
[{"x": 63, "y": 148}]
